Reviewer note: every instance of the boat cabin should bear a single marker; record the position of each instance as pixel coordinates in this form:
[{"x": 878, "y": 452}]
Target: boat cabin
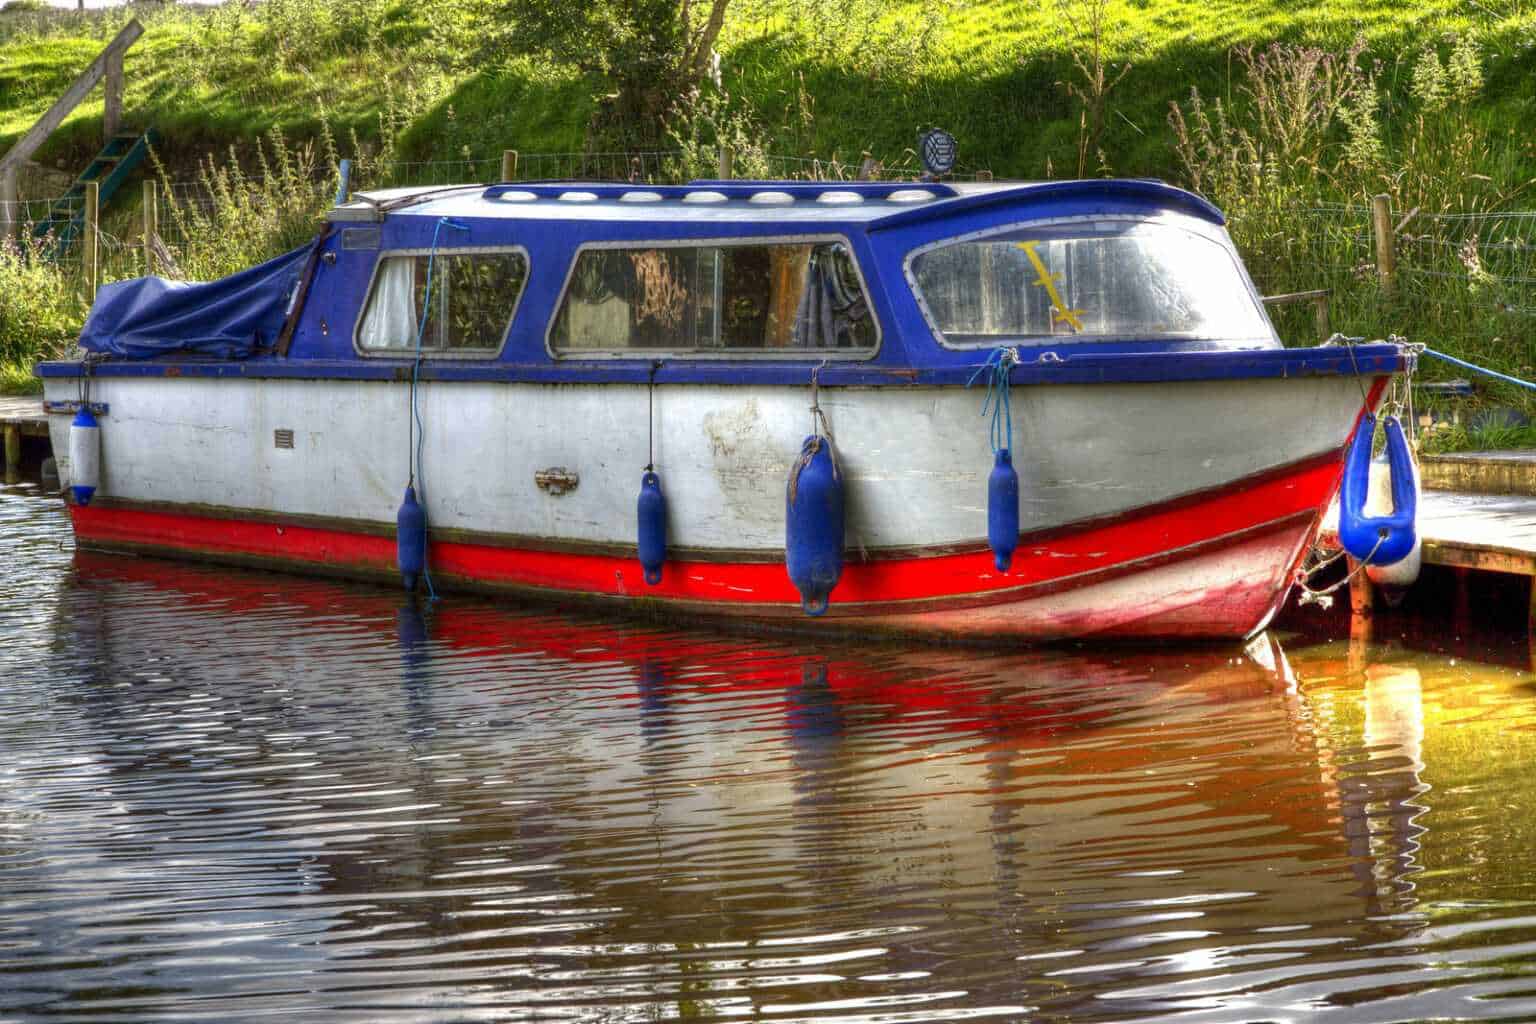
[{"x": 891, "y": 275}]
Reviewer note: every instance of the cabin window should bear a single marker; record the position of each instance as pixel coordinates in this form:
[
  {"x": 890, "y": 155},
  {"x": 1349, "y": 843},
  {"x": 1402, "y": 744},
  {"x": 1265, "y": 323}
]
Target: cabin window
[
  {"x": 727, "y": 298},
  {"x": 473, "y": 296},
  {"x": 1093, "y": 280}
]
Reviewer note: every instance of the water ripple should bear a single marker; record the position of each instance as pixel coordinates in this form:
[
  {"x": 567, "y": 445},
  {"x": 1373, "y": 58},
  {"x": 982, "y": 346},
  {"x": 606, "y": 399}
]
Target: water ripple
[{"x": 239, "y": 796}]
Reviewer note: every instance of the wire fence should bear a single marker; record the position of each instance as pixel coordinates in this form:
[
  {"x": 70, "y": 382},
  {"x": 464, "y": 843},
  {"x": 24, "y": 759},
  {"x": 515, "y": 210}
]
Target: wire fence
[{"x": 1463, "y": 276}]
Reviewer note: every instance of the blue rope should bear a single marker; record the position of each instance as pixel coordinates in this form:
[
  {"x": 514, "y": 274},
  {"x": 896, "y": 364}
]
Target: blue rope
[
  {"x": 999, "y": 372},
  {"x": 1480, "y": 369},
  {"x": 413, "y": 458}
]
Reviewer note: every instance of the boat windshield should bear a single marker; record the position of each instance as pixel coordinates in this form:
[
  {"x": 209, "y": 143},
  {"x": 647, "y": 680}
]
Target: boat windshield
[{"x": 1090, "y": 281}]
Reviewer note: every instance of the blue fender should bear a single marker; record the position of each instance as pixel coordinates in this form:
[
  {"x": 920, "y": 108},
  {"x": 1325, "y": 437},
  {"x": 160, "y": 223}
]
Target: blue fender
[
  {"x": 411, "y": 539},
  {"x": 1003, "y": 509},
  {"x": 651, "y": 514},
  {"x": 1385, "y": 539},
  {"x": 813, "y": 524}
]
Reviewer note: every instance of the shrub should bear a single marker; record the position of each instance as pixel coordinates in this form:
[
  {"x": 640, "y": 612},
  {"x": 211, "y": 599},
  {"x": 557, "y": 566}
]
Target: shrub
[{"x": 41, "y": 311}]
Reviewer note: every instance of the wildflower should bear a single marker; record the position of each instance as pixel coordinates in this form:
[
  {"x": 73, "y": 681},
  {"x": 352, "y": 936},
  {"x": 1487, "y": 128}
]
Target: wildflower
[{"x": 1429, "y": 81}]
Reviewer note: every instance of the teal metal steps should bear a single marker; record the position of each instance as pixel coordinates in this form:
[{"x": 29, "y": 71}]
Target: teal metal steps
[{"x": 110, "y": 168}]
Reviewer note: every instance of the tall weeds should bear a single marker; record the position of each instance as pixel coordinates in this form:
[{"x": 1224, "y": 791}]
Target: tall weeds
[
  {"x": 253, "y": 205},
  {"x": 1296, "y": 158},
  {"x": 41, "y": 311}
]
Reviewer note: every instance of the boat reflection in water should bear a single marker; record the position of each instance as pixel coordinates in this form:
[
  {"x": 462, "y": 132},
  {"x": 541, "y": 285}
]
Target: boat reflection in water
[{"x": 472, "y": 810}]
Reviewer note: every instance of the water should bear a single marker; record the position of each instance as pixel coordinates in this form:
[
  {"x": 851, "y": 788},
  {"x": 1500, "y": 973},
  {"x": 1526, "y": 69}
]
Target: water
[{"x": 234, "y": 796}]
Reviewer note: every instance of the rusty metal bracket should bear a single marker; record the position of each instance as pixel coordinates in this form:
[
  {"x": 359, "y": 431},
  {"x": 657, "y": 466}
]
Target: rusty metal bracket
[{"x": 556, "y": 480}]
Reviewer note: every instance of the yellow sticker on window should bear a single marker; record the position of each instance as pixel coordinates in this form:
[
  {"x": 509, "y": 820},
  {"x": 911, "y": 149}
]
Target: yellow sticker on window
[{"x": 1060, "y": 314}]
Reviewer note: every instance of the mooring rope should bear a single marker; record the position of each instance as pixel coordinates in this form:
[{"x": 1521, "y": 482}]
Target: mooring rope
[
  {"x": 820, "y": 429},
  {"x": 999, "y": 372},
  {"x": 1324, "y": 598},
  {"x": 1495, "y": 374},
  {"x": 650, "y": 418},
  {"x": 415, "y": 432}
]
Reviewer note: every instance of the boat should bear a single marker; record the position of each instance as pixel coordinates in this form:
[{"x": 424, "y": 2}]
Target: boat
[{"x": 983, "y": 412}]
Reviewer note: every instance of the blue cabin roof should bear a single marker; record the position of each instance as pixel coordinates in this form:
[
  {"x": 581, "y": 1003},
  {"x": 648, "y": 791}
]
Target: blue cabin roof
[{"x": 872, "y": 205}]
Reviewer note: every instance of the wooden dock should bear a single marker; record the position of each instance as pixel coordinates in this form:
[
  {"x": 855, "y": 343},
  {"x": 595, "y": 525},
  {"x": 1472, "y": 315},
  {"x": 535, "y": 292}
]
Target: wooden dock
[{"x": 20, "y": 417}]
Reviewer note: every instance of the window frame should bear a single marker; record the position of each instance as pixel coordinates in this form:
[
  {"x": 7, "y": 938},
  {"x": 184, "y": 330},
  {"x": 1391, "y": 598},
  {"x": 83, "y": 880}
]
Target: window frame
[
  {"x": 409, "y": 352},
  {"x": 1030, "y": 341},
  {"x": 725, "y": 354}
]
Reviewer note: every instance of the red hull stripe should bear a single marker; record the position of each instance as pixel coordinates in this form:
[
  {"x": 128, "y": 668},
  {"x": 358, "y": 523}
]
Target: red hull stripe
[{"x": 1149, "y": 533}]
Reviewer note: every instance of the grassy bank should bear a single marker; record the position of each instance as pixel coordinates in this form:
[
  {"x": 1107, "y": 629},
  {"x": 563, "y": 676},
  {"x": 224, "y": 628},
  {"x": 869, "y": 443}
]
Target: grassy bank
[
  {"x": 1291, "y": 142},
  {"x": 817, "y": 77}
]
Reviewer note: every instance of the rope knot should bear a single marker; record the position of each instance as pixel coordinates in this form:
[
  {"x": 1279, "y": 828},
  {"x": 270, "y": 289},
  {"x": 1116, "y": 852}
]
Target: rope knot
[{"x": 998, "y": 369}]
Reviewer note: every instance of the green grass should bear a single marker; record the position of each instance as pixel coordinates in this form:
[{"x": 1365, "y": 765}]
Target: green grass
[{"x": 819, "y": 77}]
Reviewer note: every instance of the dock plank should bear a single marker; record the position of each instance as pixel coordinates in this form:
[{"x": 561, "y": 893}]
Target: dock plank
[
  {"x": 1491, "y": 472},
  {"x": 1494, "y": 532},
  {"x": 20, "y": 417},
  {"x": 26, "y": 412}
]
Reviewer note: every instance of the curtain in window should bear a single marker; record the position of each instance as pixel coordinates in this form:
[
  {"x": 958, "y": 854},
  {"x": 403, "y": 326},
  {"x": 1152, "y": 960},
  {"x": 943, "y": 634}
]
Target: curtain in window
[{"x": 391, "y": 321}]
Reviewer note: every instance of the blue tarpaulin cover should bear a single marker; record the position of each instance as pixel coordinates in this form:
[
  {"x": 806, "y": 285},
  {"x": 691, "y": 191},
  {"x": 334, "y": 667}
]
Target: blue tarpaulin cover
[{"x": 230, "y": 318}]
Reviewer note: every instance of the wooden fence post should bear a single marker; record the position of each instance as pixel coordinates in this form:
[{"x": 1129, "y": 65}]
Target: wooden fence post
[
  {"x": 509, "y": 165},
  {"x": 90, "y": 251},
  {"x": 112, "y": 85},
  {"x": 727, "y": 162},
  {"x": 1324, "y": 320},
  {"x": 1386, "y": 251},
  {"x": 151, "y": 223},
  {"x": 9, "y": 209}
]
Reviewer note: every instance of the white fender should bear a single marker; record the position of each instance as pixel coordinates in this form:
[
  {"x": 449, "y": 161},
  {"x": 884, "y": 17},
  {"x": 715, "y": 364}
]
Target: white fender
[
  {"x": 1396, "y": 578},
  {"x": 84, "y": 456}
]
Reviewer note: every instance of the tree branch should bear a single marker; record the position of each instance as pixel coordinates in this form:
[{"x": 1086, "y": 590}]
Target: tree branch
[{"x": 698, "y": 62}]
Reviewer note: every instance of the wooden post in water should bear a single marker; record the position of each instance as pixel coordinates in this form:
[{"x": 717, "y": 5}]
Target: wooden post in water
[
  {"x": 727, "y": 162},
  {"x": 1463, "y": 613},
  {"x": 1324, "y": 321},
  {"x": 90, "y": 251},
  {"x": 151, "y": 224},
  {"x": 1360, "y": 599},
  {"x": 1386, "y": 251},
  {"x": 12, "y": 450},
  {"x": 1361, "y": 624},
  {"x": 509, "y": 165}
]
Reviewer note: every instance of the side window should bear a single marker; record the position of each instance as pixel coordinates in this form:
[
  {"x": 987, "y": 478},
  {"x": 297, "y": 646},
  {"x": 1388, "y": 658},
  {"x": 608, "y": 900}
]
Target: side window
[
  {"x": 725, "y": 298},
  {"x": 473, "y": 296}
]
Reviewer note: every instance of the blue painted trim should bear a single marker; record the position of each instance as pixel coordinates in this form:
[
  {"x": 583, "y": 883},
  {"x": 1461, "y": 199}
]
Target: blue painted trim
[
  {"x": 1113, "y": 190},
  {"x": 1085, "y": 368}
]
